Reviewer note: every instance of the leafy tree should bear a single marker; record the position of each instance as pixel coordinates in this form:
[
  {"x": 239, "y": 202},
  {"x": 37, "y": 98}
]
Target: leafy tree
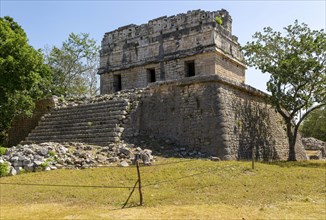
[
  {"x": 296, "y": 63},
  {"x": 75, "y": 66},
  {"x": 315, "y": 124},
  {"x": 23, "y": 75}
]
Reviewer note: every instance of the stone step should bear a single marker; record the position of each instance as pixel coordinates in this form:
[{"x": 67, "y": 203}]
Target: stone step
[
  {"x": 74, "y": 136},
  {"x": 111, "y": 102},
  {"x": 84, "y": 114},
  {"x": 52, "y": 132},
  {"x": 94, "y": 123},
  {"x": 107, "y": 140},
  {"x": 91, "y": 123},
  {"x": 63, "y": 121},
  {"x": 99, "y": 143},
  {"x": 94, "y": 106},
  {"x": 45, "y": 129}
]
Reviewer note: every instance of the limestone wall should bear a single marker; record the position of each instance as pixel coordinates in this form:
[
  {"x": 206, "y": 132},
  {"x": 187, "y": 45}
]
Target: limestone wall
[
  {"x": 252, "y": 124},
  {"x": 211, "y": 63},
  {"x": 217, "y": 116}
]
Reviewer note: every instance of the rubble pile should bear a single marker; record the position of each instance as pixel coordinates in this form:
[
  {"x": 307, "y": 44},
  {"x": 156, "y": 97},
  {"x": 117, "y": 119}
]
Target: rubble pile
[{"x": 52, "y": 156}]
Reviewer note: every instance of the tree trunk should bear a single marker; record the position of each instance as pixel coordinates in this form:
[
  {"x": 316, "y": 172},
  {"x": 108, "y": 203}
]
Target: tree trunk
[
  {"x": 291, "y": 139},
  {"x": 292, "y": 156}
]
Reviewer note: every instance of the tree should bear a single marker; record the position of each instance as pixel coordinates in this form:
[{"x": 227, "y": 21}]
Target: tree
[
  {"x": 23, "y": 75},
  {"x": 315, "y": 124},
  {"x": 75, "y": 66},
  {"x": 296, "y": 63}
]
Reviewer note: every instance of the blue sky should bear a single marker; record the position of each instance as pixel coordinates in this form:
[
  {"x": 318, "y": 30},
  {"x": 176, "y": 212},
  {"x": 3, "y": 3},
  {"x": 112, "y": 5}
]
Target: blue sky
[{"x": 50, "y": 22}]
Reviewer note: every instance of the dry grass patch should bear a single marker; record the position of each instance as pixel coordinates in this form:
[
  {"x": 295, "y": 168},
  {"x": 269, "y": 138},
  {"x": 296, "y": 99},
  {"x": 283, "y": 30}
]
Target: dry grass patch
[
  {"x": 179, "y": 189},
  {"x": 292, "y": 210}
]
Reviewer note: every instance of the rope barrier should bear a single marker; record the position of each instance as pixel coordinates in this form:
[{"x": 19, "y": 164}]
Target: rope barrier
[
  {"x": 183, "y": 177},
  {"x": 123, "y": 187}
]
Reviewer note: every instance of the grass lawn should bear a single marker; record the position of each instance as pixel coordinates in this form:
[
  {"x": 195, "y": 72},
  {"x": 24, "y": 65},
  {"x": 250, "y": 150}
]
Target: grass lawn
[{"x": 173, "y": 189}]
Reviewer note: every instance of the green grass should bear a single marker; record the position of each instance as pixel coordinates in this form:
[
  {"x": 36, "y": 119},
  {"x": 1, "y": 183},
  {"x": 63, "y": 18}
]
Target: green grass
[{"x": 189, "y": 187}]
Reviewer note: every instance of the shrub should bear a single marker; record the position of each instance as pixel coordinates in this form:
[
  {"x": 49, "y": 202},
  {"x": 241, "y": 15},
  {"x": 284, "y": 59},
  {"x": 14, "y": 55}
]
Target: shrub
[
  {"x": 49, "y": 160},
  {"x": 315, "y": 124},
  {"x": 218, "y": 20},
  {"x": 61, "y": 99},
  {"x": 44, "y": 165},
  {"x": 52, "y": 153},
  {"x": 3, "y": 150},
  {"x": 4, "y": 169}
]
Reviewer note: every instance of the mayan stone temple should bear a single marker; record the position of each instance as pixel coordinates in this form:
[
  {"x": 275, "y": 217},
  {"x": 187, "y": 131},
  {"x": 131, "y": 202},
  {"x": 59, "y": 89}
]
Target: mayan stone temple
[
  {"x": 170, "y": 48},
  {"x": 178, "y": 80}
]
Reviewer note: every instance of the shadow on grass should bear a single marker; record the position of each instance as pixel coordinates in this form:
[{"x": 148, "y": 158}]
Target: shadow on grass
[
  {"x": 130, "y": 206},
  {"x": 308, "y": 164}
]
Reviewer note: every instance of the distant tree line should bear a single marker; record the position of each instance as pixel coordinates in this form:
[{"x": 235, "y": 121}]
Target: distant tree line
[
  {"x": 27, "y": 75},
  {"x": 315, "y": 125}
]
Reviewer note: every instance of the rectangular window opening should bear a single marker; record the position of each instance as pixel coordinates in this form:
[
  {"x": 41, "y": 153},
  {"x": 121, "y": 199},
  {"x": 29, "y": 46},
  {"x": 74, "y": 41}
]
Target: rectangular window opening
[
  {"x": 117, "y": 83},
  {"x": 190, "y": 68},
  {"x": 151, "y": 77}
]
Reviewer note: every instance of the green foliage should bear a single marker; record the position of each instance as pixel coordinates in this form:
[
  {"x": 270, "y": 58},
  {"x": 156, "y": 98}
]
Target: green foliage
[
  {"x": 4, "y": 169},
  {"x": 44, "y": 164},
  {"x": 61, "y": 99},
  {"x": 297, "y": 66},
  {"x": 3, "y": 150},
  {"x": 75, "y": 66},
  {"x": 52, "y": 153},
  {"x": 219, "y": 20},
  {"x": 315, "y": 125},
  {"x": 23, "y": 75}
]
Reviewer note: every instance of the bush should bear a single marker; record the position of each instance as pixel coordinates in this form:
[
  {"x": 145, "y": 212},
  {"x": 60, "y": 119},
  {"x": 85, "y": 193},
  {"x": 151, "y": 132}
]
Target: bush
[
  {"x": 4, "y": 169},
  {"x": 44, "y": 165},
  {"x": 218, "y": 20},
  {"x": 61, "y": 99},
  {"x": 3, "y": 150},
  {"x": 52, "y": 153},
  {"x": 315, "y": 125}
]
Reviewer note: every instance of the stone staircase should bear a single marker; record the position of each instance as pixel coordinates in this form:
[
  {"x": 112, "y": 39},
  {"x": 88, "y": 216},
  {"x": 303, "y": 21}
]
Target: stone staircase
[{"x": 97, "y": 123}]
